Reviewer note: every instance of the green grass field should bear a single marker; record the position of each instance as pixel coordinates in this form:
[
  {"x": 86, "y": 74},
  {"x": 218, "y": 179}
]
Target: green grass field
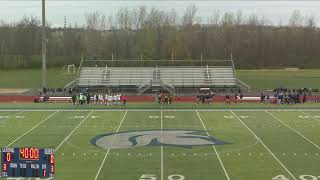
[
  {"x": 257, "y": 79},
  {"x": 261, "y": 144}
]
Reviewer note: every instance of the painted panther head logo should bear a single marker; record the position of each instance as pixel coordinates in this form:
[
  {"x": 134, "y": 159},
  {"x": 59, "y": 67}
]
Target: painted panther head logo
[{"x": 132, "y": 139}]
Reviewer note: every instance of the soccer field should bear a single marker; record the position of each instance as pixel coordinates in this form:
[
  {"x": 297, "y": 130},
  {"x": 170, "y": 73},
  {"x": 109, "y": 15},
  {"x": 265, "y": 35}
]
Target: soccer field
[{"x": 171, "y": 144}]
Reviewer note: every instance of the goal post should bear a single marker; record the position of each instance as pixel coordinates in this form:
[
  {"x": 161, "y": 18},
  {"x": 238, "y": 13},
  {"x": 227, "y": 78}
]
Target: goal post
[{"x": 71, "y": 69}]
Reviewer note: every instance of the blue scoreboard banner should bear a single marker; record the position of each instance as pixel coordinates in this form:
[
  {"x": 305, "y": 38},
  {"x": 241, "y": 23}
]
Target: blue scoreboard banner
[{"x": 27, "y": 162}]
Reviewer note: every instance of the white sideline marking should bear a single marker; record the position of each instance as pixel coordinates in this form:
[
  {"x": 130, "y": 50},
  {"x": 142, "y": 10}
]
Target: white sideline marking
[
  {"x": 105, "y": 157},
  {"x": 161, "y": 146},
  {"x": 31, "y": 129},
  {"x": 311, "y": 116},
  {"x": 293, "y": 130},
  {"x": 167, "y": 110},
  {"x": 68, "y": 136},
  {"x": 265, "y": 146},
  {"x": 204, "y": 127},
  {"x": 11, "y": 117}
]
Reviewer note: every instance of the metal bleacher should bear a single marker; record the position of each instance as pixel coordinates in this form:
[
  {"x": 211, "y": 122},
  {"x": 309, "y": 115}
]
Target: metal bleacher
[{"x": 167, "y": 77}]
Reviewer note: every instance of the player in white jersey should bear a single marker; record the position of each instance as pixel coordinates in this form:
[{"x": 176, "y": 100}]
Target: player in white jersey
[
  {"x": 109, "y": 100},
  {"x": 118, "y": 98},
  {"x": 106, "y": 99}
]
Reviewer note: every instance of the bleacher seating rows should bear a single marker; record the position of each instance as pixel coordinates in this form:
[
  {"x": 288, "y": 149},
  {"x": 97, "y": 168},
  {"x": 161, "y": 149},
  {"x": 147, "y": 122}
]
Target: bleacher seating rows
[{"x": 174, "y": 76}]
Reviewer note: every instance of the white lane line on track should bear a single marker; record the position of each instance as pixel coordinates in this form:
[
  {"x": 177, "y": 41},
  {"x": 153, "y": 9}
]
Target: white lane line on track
[
  {"x": 214, "y": 148},
  {"x": 31, "y": 129},
  {"x": 311, "y": 116},
  {"x": 161, "y": 146},
  {"x": 68, "y": 136},
  {"x": 265, "y": 147},
  {"x": 105, "y": 157},
  {"x": 293, "y": 130}
]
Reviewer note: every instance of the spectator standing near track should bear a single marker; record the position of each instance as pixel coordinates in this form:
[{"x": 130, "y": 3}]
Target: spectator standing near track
[
  {"x": 236, "y": 98},
  {"x": 241, "y": 98},
  {"x": 304, "y": 98},
  {"x": 170, "y": 98},
  {"x": 74, "y": 99},
  {"x": 88, "y": 99}
]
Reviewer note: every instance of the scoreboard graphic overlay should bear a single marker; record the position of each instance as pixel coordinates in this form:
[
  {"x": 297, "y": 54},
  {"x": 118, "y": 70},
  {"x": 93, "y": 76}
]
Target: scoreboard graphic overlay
[{"x": 27, "y": 162}]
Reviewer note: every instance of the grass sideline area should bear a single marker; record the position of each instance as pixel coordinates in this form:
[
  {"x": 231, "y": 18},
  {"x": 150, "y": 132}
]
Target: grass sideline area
[
  {"x": 260, "y": 145},
  {"x": 257, "y": 79},
  {"x": 31, "y": 78},
  {"x": 271, "y": 79},
  {"x": 156, "y": 106}
]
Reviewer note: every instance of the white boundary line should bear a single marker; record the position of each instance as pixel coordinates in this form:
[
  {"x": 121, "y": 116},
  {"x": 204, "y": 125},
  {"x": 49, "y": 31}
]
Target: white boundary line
[
  {"x": 105, "y": 157},
  {"x": 157, "y": 110},
  {"x": 161, "y": 147},
  {"x": 293, "y": 130},
  {"x": 68, "y": 136},
  {"x": 311, "y": 116},
  {"x": 221, "y": 163},
  {"x": 31, "y": 129},
  {"x": 1, "y": 122},
  {"x": 265, "y": 146}
]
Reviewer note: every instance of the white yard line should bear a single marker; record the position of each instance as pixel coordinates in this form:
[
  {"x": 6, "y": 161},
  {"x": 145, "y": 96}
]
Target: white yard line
[
  {"x": 68, "y": 136},
  {"x": 106, "y": 155},
  {"x": 31, "y": 129},
  {"x": 265, "y": 147},
  {"x": 161, "y": 147},
  {"x": 311, "y": 116},
  {"x": 11, "y": 117},
  {"x": 214, "y": 148},
  {"x": 293, "y": 130}
]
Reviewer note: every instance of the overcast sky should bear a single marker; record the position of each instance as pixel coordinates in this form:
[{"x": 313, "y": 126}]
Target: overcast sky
[{"x": 275, "y": 11}]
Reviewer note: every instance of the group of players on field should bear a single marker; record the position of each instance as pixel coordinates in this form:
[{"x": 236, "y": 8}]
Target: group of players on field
[{"x": 107, "y": 99}]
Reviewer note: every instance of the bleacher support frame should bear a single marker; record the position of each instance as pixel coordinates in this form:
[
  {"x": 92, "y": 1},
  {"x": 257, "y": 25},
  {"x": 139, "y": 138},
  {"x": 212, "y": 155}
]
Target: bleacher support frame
[{"x": 101, "y": 74}]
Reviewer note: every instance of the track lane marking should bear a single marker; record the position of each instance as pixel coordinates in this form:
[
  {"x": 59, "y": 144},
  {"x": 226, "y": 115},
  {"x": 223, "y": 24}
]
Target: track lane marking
[
  {"x": 293, "y": 130},
  {"x": 68, "y": 136},
  {"x": 265, "y": 147},
  {"x": 31, "y": 129},
  {"x": 106, "y": 155},
  {"x": 214, "y": 148}
]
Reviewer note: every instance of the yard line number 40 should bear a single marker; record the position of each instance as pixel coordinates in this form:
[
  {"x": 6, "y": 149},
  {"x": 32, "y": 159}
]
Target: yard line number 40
[
  {"x": 302, "y": 177},
  {"x": 154, "y": 177}
]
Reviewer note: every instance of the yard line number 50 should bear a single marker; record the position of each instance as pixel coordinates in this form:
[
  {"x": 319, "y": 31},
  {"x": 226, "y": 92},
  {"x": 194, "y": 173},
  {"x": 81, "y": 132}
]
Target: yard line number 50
[
  {"x": 154, "y": 177},
  {"x": 302, "y": 177}
]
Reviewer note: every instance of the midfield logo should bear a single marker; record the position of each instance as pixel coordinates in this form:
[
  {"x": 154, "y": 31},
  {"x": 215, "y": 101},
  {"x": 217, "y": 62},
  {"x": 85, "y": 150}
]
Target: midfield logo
[{"x": 176, "y": 138}]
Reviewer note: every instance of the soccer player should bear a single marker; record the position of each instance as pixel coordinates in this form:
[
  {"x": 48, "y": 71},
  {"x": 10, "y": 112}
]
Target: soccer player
[
  {"x": 227, "y": 99},
  {"x": 124, "y": 98}
]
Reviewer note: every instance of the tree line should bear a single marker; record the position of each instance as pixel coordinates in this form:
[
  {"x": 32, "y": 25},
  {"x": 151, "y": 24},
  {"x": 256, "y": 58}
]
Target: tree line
[{"x": 153, "y": 34}]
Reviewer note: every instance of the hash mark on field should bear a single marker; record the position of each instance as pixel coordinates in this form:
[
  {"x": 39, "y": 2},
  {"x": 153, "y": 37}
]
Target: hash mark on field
[
  {"x": 214, "y": 148},
  {"x": 293, "y": 130},
  {"x": 265, "y": 146},
  {"x": 313, "y": 117},
  {"x": 106, "y": 155},
  {"x": 11, "y": 117},
  {"x": 31, "y": 129}
]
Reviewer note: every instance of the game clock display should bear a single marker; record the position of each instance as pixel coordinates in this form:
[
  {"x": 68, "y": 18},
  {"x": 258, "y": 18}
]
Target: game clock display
[{"x": 27, "y": 162}]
